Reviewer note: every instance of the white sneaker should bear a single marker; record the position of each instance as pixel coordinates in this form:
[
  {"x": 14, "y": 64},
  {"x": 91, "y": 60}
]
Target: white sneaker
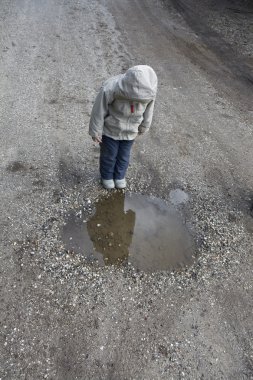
[
  {"x": 120, "y": 183},
  {"x": 108, "y": 183}
]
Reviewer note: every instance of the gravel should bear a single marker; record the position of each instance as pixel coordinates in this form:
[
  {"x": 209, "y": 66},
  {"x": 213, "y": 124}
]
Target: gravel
[{"x": 61, "y": 316}]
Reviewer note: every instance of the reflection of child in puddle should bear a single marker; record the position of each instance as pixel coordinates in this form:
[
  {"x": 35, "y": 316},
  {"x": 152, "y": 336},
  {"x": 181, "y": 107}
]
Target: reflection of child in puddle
[{"x": 111, "y": 229}]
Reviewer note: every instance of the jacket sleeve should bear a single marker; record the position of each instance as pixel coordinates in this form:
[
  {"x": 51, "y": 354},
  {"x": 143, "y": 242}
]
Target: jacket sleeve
[
  {"x": 99, "y": 112},
  {"x": 147, "y": 117}
]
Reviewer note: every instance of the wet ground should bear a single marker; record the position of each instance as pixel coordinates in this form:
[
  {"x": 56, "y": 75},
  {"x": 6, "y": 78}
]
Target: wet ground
[
  {"x": 62, "y": 316},
  {"x": 132, "y": 229}
]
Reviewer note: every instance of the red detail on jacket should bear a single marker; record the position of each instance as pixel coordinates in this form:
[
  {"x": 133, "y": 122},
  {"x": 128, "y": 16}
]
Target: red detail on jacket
[{"x": 132, "y": 108}]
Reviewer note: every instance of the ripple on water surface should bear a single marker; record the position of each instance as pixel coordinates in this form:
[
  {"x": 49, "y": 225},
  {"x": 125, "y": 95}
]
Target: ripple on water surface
[{"x": 133, "y": 228}]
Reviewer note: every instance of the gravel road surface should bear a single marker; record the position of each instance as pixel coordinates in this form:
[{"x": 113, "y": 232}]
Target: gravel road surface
[{"x": 61, "y": 317}]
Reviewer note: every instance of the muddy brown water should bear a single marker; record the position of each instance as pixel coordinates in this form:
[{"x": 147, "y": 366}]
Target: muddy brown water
[{"x": 131, "y": 228}]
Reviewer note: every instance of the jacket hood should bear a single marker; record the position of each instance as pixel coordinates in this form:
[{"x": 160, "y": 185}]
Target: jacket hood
[{"x": 139, "y": 82}]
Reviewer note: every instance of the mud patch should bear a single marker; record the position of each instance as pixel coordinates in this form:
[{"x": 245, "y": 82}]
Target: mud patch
[
  {"x": 38, "y": 183},
  {"x": 16, "y": 166},
  {"x": 69, "y": 174},
  {"x": 131, "y": 228}
]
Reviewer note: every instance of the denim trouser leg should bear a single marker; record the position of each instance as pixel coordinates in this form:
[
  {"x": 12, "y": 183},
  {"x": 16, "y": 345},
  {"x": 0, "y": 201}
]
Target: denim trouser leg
[
  {"x": 114, "y": 157},
  {"x": 108, "y": 154},
  {"x": 123, "y": 158}
]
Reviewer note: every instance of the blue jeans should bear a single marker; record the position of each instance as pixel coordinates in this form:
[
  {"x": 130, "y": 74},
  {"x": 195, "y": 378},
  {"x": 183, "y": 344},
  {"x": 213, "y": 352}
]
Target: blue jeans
[{"x": 114, "y": 157}]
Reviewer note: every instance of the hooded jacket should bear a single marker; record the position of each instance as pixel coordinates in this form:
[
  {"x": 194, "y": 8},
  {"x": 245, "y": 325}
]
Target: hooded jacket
[{"x": 124, "y": 105}]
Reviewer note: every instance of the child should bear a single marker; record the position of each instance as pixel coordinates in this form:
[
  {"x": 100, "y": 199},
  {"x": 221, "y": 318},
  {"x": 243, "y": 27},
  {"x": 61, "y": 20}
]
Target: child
[{"x": 123, "y": 109}]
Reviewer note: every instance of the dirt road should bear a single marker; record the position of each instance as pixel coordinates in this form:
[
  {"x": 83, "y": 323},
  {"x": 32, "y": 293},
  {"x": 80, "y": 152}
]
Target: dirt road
[{"x": 62, "y": 318}]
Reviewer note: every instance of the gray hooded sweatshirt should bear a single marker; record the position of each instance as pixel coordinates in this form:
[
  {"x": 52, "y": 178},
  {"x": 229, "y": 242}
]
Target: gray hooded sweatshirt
[{"x": 124, "y": 105}]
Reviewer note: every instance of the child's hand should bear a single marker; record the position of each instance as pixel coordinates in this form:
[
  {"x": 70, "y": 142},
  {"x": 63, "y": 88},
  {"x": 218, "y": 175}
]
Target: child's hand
[{"x": 97, "y": 139}]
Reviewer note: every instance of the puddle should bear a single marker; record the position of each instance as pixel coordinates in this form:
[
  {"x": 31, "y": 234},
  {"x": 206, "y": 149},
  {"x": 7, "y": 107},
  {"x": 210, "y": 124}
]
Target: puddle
[
  {"x": 132, "y": 228},
  {"x": 178, "y": 197}
]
